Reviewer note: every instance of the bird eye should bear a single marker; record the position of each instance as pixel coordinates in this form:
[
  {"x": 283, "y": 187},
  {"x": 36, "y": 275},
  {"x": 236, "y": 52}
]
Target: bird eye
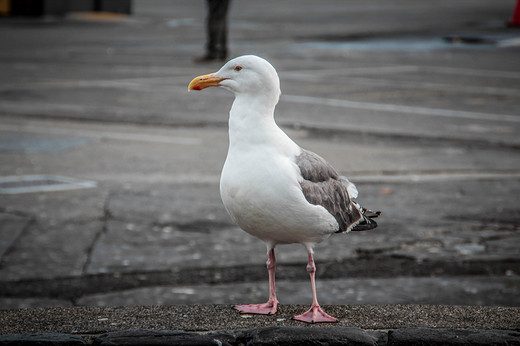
[{"x": 238, "y": 68}]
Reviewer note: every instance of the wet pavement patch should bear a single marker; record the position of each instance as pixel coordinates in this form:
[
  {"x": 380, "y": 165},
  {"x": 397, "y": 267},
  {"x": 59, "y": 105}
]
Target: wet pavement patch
[
  {"x": 413, "y": 43},
  {"x": 375, "y": 44},
  {"x": 37, "y": 144},
  {"x": 41, "y": 183}
]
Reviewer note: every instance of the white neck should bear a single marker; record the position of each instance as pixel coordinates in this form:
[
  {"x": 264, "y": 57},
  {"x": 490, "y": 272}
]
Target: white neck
[{"x": 251, "y": 123}]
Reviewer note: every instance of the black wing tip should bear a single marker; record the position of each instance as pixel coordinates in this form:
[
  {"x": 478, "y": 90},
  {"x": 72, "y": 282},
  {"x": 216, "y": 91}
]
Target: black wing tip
[
  {"x": 370, "y": 213},
  {"x": 367, "y": 223},
  {"x": 365, "y": 226}
]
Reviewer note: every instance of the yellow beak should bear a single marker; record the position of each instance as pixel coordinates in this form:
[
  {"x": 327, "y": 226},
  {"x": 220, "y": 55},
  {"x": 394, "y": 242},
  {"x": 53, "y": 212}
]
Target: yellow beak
[{"x": 205, "y": 81}]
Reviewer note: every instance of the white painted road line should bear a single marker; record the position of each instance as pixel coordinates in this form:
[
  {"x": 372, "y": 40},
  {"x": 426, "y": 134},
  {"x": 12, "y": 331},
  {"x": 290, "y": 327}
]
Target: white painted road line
[
  {"x": 11, "y": 185},
  {"x": 449, "y": 113},
  {"x": 98, "y": 134},
  {"x": 347, "y": 71},
  {"x": 472, "y": 89},
  {"x": 420, "y": 177},
  {"x": 401, "y": 69},
  {"x": 417, "y": 177},
  {"x": 472, "y": 72}
]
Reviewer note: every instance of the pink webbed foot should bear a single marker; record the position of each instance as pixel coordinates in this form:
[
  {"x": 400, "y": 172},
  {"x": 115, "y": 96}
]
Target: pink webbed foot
[
  {"x": 315, "y": 315},
  {"x": 268, "y": 308}
]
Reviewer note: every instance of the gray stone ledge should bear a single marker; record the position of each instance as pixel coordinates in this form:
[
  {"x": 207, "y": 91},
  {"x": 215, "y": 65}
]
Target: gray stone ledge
[
  {"x": 429, "y": 336},
  {"x": 278, "y": 336},
  {"x": 221, "y": 325},
  {"x": 44, "y": 339}
]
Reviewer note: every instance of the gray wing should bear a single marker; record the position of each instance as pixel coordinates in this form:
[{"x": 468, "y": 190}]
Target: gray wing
[{"x": 323, "y": 186}]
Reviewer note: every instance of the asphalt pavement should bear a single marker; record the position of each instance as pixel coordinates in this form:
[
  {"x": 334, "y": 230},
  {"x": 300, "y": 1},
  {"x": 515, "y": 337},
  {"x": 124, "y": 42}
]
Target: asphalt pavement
[{"x": 109, "y": 168}]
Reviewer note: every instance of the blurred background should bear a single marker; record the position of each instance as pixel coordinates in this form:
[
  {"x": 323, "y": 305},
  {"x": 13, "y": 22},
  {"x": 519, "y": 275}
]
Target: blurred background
[{"x": 109, "y": 169}]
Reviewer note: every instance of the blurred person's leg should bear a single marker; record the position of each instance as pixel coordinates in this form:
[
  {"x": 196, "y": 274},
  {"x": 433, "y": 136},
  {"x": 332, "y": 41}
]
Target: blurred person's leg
[{"x": 216, "y": 46}]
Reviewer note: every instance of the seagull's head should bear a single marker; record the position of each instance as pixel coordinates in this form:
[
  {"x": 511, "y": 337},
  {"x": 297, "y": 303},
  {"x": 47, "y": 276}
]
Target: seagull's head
[{"x": 245, "y": 75}]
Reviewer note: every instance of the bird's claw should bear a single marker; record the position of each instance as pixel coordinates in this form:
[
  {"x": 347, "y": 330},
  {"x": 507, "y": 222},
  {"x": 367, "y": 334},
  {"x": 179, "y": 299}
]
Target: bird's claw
[
  {"x": 315, "y": 315},
  {"x": 268, "y": 308}
]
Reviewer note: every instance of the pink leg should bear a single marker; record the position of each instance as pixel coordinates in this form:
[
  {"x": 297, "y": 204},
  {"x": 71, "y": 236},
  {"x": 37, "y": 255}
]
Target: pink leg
[
  {"x": 315, "y": 314},
  {"x": 270, "y": 307}
]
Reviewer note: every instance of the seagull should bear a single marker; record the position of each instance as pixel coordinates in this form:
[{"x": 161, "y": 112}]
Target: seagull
[{"x": 271, "y": 187}]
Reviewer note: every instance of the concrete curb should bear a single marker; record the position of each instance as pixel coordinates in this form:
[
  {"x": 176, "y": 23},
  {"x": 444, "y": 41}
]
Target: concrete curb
[{"x": 220, "y": 325}]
